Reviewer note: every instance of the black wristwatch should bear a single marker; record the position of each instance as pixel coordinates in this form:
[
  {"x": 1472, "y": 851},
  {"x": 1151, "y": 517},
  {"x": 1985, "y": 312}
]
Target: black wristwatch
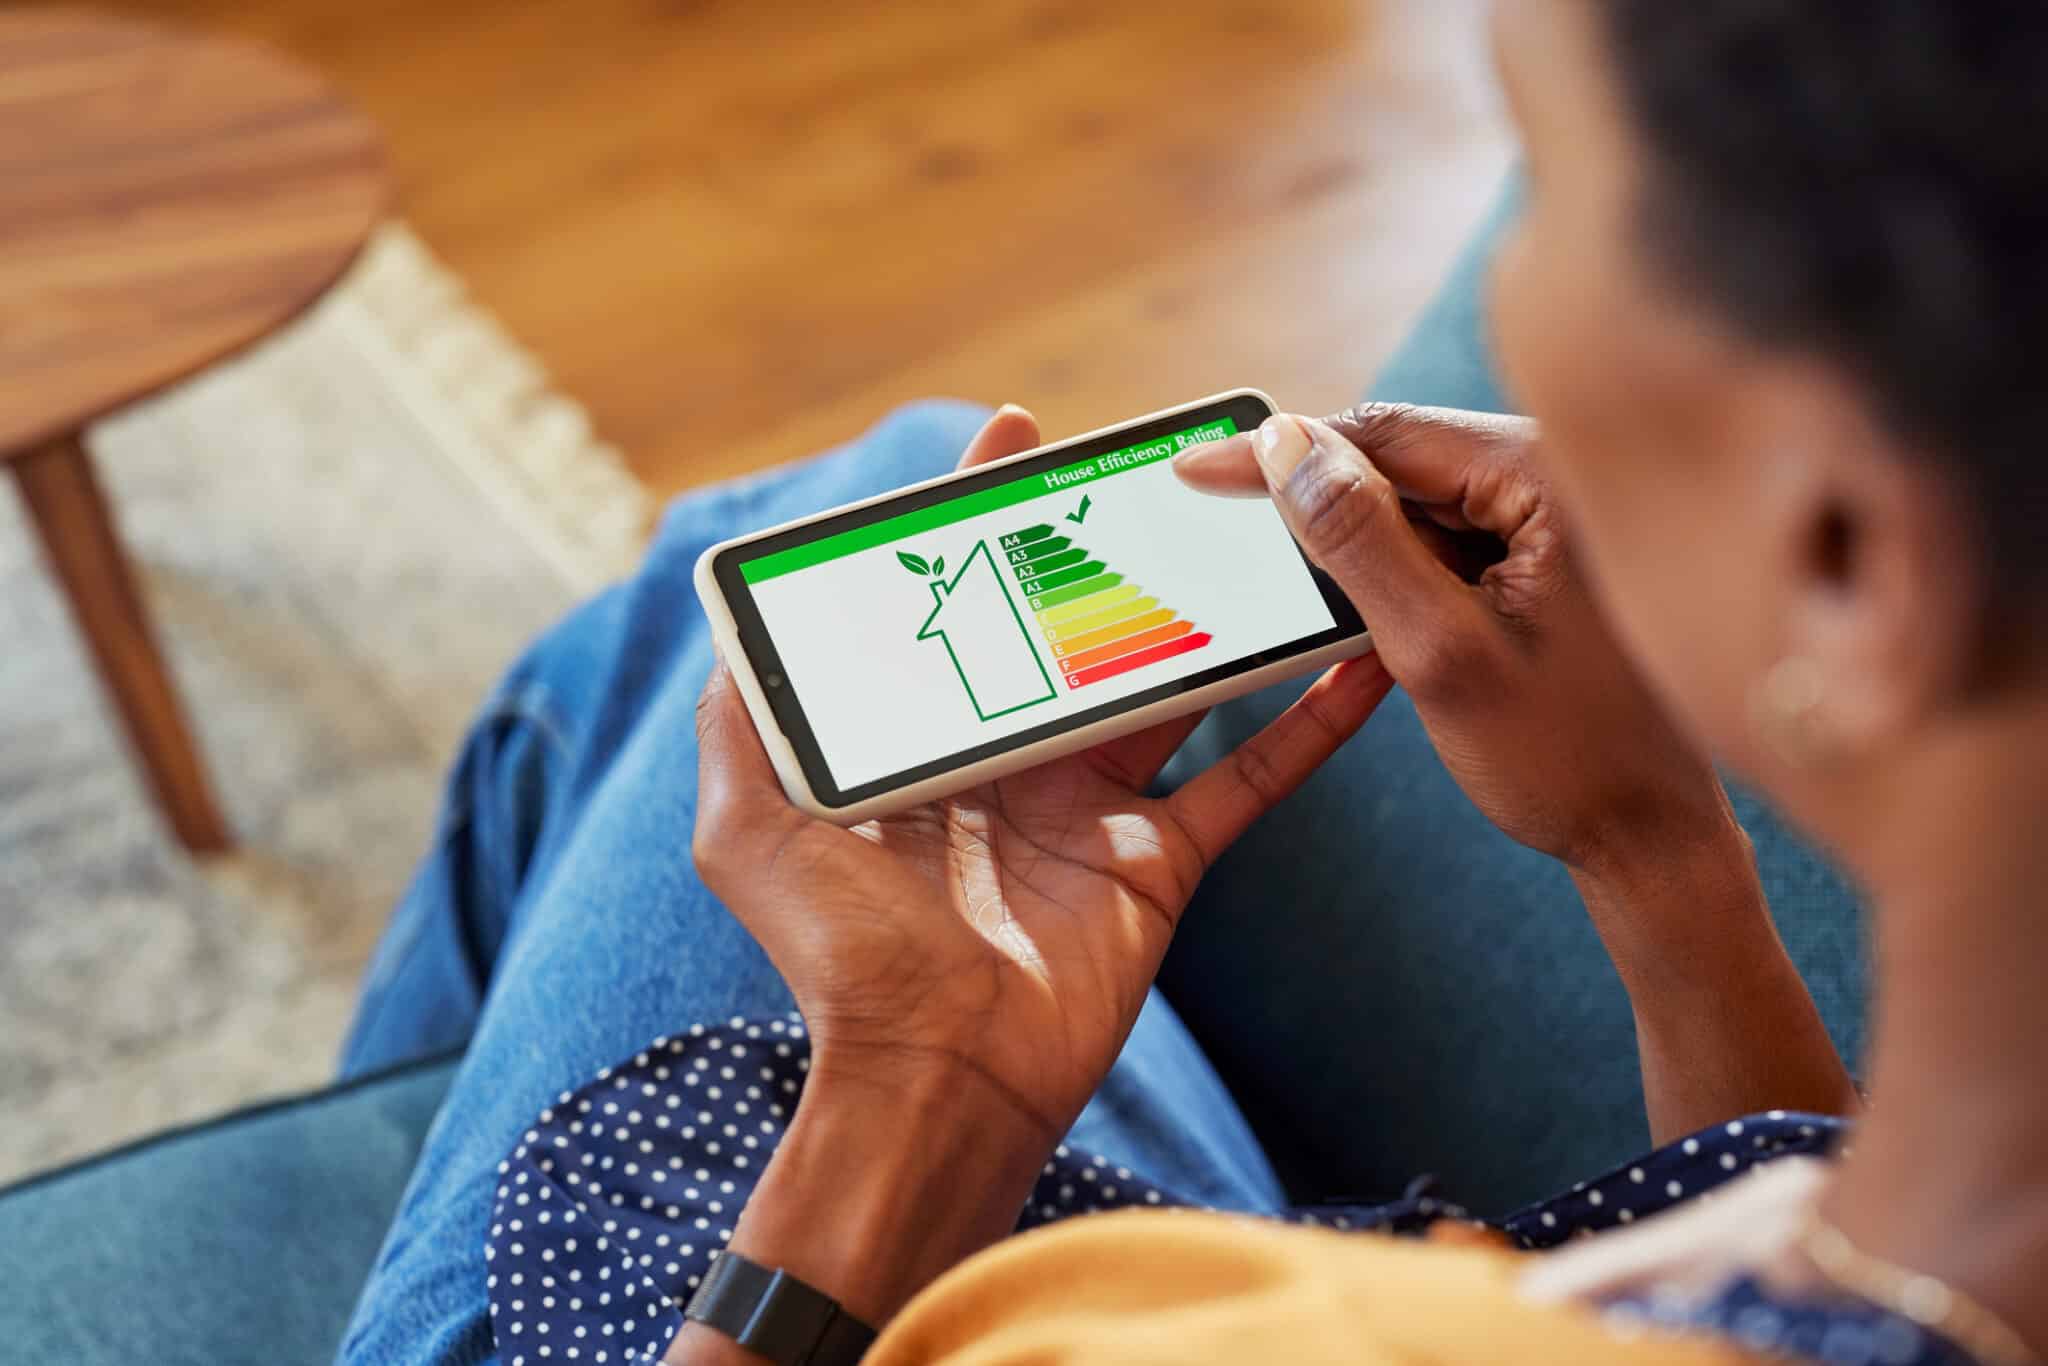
[{"x": 769, "y": 1311}]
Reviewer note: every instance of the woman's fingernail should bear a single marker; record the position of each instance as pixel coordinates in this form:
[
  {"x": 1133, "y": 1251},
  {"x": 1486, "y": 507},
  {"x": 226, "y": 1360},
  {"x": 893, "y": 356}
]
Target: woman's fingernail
[
  {"x": 1279, "y": 445},
  {"x": 1223, "y": 468},
  {"x": 1013, "y": 408},
  {"x": 1210, "y": 452}
]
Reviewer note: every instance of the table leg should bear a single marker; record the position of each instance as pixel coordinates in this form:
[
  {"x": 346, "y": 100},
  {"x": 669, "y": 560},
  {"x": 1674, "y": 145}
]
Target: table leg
[{"x": 71, "y": 514}]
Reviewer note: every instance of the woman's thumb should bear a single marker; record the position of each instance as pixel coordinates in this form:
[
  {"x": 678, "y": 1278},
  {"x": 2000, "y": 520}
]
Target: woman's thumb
[{"x": 1348, "y": 517}]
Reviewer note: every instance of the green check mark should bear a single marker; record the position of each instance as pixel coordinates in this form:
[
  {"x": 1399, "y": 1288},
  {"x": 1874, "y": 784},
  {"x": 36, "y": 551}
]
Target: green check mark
[{"x": 1079, "y": 514}]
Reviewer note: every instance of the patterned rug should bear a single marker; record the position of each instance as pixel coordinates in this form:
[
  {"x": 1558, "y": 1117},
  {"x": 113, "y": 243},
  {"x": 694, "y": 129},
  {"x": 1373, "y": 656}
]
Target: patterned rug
[{"x": 344, "y": 536}]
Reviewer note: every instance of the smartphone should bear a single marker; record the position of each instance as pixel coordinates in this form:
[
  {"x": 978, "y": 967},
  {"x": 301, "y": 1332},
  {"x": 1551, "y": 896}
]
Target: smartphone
[{"x": 914, "y": 645}]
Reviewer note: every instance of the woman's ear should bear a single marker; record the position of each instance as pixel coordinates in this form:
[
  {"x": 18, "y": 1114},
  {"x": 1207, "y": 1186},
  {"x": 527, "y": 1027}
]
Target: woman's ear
[{"x": 1883, "y": 576}]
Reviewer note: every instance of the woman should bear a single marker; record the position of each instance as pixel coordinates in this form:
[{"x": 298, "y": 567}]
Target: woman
[{"x": 1773, "y": 303}]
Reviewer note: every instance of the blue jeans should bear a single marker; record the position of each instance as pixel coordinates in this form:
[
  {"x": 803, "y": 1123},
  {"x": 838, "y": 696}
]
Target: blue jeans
[{"x": 1372, "y": 984}]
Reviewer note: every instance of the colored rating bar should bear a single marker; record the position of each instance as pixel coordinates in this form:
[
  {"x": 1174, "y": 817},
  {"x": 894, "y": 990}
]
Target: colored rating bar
[
  {"x": 1025, "y": 537},
  {"x": 1123, "y": 664},
  {"x": 1037, "y": 550},
  {"x": 1142, "y": 640},
  {"x": 1118, "y": 630},
  {"x": 1043, "y": 584},
  {"x": 1107, "y": 599},
  {"x": 1126, "y": 604},
  {"x": 1050, "y": 563},
  {"x": 1073, "y": 592}
]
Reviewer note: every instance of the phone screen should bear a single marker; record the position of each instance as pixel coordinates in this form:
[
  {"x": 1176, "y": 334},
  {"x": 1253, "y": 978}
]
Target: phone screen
[{"x": 922, "y": 634}]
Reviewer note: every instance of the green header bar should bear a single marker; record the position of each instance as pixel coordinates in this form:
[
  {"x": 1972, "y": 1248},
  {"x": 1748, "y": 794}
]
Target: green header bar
[{"x": 982, "y": 500}]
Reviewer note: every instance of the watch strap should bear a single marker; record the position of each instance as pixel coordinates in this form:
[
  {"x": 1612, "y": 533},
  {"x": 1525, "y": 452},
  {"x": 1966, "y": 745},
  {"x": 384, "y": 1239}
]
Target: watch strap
[{"x": 771, "y": 1312}]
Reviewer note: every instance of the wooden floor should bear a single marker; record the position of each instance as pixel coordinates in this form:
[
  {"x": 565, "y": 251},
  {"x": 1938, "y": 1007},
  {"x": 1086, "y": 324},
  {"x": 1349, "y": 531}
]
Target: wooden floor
[{"x": 741, "y": 231}]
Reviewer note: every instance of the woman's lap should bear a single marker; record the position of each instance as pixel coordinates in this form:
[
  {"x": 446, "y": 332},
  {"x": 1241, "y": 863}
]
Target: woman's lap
[
  {"x": 1386, "y": 985},
  {"x": 558, "y": 924}
]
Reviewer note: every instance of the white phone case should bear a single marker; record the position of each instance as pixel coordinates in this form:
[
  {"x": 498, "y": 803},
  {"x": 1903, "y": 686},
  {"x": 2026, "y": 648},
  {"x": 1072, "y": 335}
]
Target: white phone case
[{"x": 725, "y": 630}]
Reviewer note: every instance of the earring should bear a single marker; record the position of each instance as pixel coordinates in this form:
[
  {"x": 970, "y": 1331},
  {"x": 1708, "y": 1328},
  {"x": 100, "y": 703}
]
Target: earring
[{"x": 1788, "y": 707}]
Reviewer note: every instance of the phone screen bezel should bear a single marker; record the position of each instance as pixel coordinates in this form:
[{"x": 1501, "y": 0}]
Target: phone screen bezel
[{"x": 1246, "y": 410}]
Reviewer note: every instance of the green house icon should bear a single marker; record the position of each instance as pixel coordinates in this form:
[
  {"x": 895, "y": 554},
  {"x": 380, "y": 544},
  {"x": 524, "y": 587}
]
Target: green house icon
[{"x": 977, "y": 621}]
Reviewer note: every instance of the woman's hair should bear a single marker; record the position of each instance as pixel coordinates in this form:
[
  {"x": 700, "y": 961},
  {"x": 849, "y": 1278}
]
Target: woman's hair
[{"x": 1867, "y": 181}]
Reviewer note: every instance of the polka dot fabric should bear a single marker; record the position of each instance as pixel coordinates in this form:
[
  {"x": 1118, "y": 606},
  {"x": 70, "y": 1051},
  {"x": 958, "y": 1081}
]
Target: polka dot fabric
[
  {"x": 1671, "y": 1175},
  {"x": 612, "y": 1206},
  {"x": 1839, "y": 1334}
]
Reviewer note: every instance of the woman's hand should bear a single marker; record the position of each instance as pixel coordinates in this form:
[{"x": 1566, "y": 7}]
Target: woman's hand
[
  {"x": 988, "y": 953},
  {"x": 1010, "y": 932},
  {"x": 1545, "y": 723},
  {"x": 1525, "y": 693}
]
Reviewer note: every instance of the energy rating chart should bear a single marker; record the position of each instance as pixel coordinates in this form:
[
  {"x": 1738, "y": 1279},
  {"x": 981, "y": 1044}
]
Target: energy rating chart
[{"x": 1097, "y": 625}]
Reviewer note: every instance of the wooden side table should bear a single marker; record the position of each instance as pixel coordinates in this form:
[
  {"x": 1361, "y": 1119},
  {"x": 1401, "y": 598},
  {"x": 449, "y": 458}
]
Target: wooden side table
[{"x": 165, "y": 199}]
